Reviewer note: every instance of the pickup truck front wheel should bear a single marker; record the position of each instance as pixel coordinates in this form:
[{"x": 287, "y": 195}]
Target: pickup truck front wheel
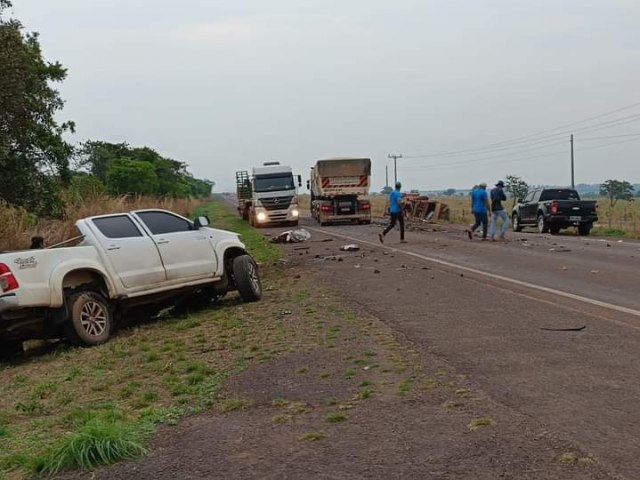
[
  {"x": 247, "y": 278},
  {"x": 90, "y": 319},
  {"x": 515, "y": 222}
]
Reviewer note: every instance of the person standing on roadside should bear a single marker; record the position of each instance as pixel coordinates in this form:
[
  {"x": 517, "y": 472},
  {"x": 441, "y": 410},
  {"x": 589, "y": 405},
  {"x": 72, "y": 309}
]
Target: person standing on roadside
[
  {"x": 480, "y": 209},
  {"x": 397, "y": 216},
  {"x": 497, "y": 212}
]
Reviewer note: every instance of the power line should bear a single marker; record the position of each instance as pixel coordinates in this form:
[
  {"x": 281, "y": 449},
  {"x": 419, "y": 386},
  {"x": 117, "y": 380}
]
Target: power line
[
  {"x": 522, "y": 139},
  {"x": 492, "y": 160},
  {"x": 611, "y": 136}
]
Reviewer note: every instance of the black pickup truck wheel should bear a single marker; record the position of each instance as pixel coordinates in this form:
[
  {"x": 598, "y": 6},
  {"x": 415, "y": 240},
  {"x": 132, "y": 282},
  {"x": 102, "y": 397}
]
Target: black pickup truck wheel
[
  {"x": 584, "y": 229},
  {"x": 543, "y": 227},
  {"x": 515, "y": 223},
  {"x": 90, "y": 319},
  {"x": 247, "y": 278},
  {"x": 10, "y": 349}
]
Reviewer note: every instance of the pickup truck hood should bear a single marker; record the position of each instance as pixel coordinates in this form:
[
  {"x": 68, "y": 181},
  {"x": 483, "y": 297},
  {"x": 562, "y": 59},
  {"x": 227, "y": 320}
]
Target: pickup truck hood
[{"x": 226, "y": 234}]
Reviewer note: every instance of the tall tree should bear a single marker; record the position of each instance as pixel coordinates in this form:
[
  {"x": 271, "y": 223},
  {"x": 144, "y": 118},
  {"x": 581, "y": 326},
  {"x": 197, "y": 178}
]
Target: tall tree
[
  {"x": 517, "y": 187},
  {"x": 34, "y": 158},
  {"x": 616, "y": 190}
]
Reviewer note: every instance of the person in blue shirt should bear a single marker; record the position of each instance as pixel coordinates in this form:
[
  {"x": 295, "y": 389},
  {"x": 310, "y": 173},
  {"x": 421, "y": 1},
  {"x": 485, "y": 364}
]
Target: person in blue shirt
[
  {"x": 480, "y": 209},
  {"x": 395, "y": 209}
]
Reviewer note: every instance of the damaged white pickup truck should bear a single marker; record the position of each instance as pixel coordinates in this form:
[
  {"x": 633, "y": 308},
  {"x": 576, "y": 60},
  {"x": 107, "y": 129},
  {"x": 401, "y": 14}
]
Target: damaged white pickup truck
[{"x": 145, "y": 258}]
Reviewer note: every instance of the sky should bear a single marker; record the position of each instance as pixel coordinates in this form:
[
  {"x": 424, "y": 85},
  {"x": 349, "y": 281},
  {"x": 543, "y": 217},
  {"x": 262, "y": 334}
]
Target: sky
[{"x": 225, "y": 85}]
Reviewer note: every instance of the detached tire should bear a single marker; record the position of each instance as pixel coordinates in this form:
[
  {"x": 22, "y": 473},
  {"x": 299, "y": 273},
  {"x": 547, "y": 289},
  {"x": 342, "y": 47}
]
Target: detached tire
[
  {"x": 247, "y": 278},
  {"x": 90, "y": 319}
]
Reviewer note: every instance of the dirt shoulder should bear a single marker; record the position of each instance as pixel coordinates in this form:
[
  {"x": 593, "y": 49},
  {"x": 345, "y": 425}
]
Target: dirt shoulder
[{"x": 331, "y": 389}]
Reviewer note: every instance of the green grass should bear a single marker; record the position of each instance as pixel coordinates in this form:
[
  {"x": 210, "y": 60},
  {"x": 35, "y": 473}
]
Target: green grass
[
  {"x": 336, "y": 417},
  {"x": 98, "y": 442},
  {"x": 311, "y": 436},
  {"x": 478, "y": 423}
]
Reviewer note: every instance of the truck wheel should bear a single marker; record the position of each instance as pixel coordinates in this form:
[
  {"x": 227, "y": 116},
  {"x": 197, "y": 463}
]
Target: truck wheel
[
  {"x": 584, "y": 230},
  {"x": 90, "y": 319},
  {"x": 554, "y": 230},
  {"x": 247, "y": 278},
  {"x": 10, "y": 349},
  {"x": 542, "y": 225},
  {"x": 515, "y": 222}
]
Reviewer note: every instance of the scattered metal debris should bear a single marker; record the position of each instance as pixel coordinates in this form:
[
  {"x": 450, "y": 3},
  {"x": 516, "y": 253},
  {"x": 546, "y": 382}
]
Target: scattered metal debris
[
  {"x": 352, "y": 247},
  {"x": 292, "y": 236}
]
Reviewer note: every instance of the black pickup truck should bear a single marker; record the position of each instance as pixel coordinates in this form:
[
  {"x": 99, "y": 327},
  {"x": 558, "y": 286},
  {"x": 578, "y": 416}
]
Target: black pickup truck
[{"x": 552, "y": 209}]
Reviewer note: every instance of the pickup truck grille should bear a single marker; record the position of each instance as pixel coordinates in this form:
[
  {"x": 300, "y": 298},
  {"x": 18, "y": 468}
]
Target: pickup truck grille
[{"x": 276, "y": 203}]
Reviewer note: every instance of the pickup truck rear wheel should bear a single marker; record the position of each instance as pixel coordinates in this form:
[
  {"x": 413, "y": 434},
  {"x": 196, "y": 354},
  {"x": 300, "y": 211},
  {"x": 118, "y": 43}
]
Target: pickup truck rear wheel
[
  {"x": 90, "y": 319},
  {"x": 10, "y": 349},
  {"x": 542, "y": 225},
  {"x": 247, "y": 278},
  {"x": 584, "y": 229},
  {"x": 515, "y": 222}
]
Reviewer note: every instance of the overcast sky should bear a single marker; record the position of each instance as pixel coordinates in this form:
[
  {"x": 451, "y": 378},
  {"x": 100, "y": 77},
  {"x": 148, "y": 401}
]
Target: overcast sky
[{"x": 228, "y": 84}]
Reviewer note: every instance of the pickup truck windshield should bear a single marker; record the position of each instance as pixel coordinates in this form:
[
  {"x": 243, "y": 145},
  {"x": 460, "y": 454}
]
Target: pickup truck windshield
[
  {"x": 270, "y": 183},
  {"x": 559, "y": 195}
]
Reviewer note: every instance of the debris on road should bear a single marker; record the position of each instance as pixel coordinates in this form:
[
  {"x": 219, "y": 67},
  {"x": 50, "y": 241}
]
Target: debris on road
[
  {"x": 292, "y": 236},
  {"x": 331, "y": 258},
  {"x": 352, "y": 247},
  {"x": 595, "y": 272}
]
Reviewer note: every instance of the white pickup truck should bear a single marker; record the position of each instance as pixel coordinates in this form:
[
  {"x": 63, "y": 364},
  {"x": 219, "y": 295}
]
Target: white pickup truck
[{"x": 117, "y": 263}]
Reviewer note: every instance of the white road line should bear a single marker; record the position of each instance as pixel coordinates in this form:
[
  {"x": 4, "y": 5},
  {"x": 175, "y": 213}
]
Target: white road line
[{"x": 513, "y": 281}]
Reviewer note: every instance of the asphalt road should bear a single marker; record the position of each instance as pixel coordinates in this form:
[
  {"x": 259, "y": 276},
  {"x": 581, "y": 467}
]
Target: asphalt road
[
  {"x": 490, "y": 310},
  {"x": 497, "y": 313}
]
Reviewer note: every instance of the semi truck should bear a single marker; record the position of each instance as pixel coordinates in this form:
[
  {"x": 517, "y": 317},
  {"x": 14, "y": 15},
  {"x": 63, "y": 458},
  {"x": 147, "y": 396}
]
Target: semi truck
[
  {"x": 268, "y": 195},
  {"x": 338, "y": 190}
]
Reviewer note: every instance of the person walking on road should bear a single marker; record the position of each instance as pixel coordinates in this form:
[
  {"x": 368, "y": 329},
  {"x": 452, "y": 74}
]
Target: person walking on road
[
  {"x": 498, "y": 213},
  {"x": 397, "y": 215},
  {"x": 480, "y": 209}
]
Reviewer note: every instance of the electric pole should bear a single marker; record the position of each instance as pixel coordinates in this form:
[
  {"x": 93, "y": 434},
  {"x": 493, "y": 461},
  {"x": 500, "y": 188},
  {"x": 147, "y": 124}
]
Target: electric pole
[
  {"x": 395, "y": 157},
  {"x": 386, "y": 176},
  {"x": 573, "y": 178}
]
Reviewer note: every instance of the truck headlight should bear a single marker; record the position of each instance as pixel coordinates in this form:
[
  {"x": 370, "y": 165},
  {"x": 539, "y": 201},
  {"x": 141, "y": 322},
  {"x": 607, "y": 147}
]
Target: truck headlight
[
  {"x": 261, "y": 216},
  {"x": 295, "y": 212}
]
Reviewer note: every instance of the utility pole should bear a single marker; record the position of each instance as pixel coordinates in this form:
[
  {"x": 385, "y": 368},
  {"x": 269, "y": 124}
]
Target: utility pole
[
  {"x": 573, "y": 178},
  {"x": 395, "y": 157},
  {"x": 386, "y": 176}
]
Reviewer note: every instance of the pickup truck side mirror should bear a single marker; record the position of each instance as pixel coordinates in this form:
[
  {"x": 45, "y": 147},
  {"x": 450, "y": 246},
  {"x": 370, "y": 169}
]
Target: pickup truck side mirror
[
  {"x": 308, "y": 185},
  {"x": 519, "y": 200},
  {"x": 300, "y": 180},
  {"x": 200, "y": 222}
]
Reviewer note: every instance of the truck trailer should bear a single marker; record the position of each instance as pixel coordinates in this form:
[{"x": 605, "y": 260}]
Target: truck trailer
[
  {"x": 338, "y": 187},
  {"x": 268, "y": 195}
]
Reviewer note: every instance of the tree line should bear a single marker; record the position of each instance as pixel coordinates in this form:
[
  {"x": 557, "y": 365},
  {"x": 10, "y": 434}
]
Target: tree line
[{"x": 39, "y": 166}]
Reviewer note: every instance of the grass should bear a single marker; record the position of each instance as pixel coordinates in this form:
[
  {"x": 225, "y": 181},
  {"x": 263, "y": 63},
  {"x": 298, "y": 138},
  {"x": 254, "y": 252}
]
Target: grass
[
  {"x": 478, "y": 423},
  {"x": 336, "y": 417},
  {"x": 312, "y": 436},
  {"x": 98, "y": 442}
]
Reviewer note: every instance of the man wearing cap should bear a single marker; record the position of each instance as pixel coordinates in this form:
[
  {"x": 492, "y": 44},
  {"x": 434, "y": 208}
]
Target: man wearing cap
[
  {"x": 480, "y": 210},
  {"x": 497, "y": 211},
  {"x": 395, "y": 209}
]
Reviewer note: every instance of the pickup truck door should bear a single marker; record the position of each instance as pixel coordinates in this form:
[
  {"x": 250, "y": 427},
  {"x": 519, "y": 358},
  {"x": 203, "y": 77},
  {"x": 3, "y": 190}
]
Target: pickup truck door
[
  {"x": 187, "y": 254},
  {"x": 133, "y": 255},
  {"x": 531, "y": 207}
]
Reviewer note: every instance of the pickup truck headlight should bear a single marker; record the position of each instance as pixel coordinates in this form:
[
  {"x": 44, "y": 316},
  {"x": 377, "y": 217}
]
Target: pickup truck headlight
[
  {"x": 261, "y": 216},
  {"x": 295, "y": 212}
]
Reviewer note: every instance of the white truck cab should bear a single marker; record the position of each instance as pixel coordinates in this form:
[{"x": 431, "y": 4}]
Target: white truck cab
[
  {"x": 117, "y": 263},
  {"x": 269, "y": 195}
]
